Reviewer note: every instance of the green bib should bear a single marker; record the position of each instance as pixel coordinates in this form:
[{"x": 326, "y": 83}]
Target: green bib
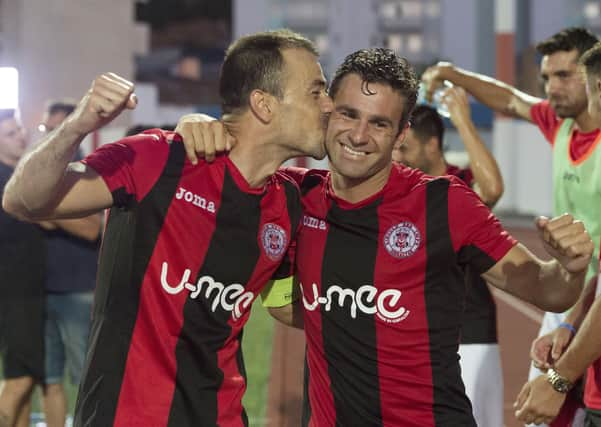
[{"x": 577, "y": 186}]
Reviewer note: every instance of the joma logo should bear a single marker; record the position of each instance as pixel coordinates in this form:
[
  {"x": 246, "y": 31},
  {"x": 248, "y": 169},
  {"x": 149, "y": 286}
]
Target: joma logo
[
  {"x": 195, "y": 199},
  {"x": 311, "y": 222}
]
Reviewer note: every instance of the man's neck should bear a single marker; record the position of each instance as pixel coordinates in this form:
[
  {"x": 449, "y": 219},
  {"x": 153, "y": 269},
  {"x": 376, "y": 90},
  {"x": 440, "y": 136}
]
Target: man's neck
[
  {"x": 438, "y": 167},
  {"x": 257, "y": 161},
  {"x": 585, "y": 123},
  {"x": 358, "y": 189}
]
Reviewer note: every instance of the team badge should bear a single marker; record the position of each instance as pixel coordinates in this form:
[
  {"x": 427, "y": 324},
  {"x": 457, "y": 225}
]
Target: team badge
[
  {"x": 402, "y": 240},
  {"x": 274, "y": 240}
]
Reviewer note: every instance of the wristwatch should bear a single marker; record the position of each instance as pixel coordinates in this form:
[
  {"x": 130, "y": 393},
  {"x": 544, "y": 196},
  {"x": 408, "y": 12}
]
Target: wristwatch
[{"x": 559, "y": 383}]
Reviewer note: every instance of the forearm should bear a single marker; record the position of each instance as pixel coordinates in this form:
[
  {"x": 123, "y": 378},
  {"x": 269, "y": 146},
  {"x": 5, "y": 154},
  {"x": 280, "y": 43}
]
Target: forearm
[
  {"x": 585, "y": 347},
  {"x": 578, "y": 313},
  {"x": 87, "y": 228},
  {"x": 489, "y": 91},
  {"x": 483, "y": 165},
  {"x": 34, "y": 185},
  {"x": 290, "y": 315},
  {"x": 557, "y": 289}
]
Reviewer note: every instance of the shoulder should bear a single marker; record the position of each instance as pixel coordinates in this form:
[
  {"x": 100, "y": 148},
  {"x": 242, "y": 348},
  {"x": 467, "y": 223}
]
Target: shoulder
[{"x": 306, "y": 179}]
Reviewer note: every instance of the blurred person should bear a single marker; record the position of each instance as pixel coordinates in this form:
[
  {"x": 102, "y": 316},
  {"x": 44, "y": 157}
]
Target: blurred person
[
  {"x": 479, "y": 349},
  {"x": 566, "y": 124},
  {"x": 567, "y": 354},
  {"x": 22, "y": 275},
  {"x": 72, "y": 246},
  {"x": 169, "y": 308},
  {"x": 380, "y": 258}
]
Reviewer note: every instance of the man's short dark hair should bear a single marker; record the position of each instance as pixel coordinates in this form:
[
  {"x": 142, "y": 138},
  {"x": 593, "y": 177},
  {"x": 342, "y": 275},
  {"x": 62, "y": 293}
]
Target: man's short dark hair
[
  {"x": 65, "y": 106},
  {"x": 7, "y": 113},
  {"x": 427, "y": 123},
  {"x": 380, "y": 65},
  {"x": 573, "y": 38},
  {"x": 591, "y": 60},
  {"x": 256, "y": 62}
]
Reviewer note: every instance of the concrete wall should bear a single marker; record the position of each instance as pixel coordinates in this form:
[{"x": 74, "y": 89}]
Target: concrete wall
[{"x": 59, "y": 46}]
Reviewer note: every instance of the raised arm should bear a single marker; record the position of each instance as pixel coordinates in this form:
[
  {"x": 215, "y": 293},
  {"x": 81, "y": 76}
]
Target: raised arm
[
  {"x": 554, "y": 285},
  {"x": 45, "y": 184},
  {"x": 487, "y": 176},
  {"x": 497, "y": 95}
]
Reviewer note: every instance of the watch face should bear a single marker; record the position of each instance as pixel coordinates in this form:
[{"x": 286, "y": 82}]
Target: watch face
[{"x": 558, "y": 383}]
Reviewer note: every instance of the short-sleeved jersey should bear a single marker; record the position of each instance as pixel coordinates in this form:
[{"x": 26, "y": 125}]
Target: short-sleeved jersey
[
  {"x": 544, "y": 117},
  {"x": 480, "y": 316},
  {"x": 186, "y": 251},
  {"x": 383, "y": 292}
]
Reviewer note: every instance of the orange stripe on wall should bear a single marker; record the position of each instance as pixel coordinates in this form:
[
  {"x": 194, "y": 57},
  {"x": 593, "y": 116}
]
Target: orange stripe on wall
[
  {"x": 505, "y": 57},
  {"x": 505, "y": 60}
]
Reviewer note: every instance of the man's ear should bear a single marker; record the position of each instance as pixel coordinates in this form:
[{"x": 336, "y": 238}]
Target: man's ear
[
  {"x": 598, "y": 85},
  {"x": 400, "y": 139},
  {"x": 263, "y": 105}
]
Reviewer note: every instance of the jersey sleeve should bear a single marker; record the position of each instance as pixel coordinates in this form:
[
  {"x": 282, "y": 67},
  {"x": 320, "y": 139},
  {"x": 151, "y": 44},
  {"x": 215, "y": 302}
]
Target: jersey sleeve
[
  {"x": 478, "y": 237},
  {"x": 286, "y": 267},
  {"x": 131, "y": 166},
  {"x": 279, "y": 293},
  {"x": 544, "y": 117},
  {"x": 295, "y": 173}
]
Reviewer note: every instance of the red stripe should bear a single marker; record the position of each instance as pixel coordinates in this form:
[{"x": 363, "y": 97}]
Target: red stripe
[
  {"x": 151, "y": 359},
  {"x": 320, "y": 394},
  {"x": 404, "y": 364}
]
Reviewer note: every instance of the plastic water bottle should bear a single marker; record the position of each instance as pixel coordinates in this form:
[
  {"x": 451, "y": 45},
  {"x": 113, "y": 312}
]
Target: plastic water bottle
[{"x": 436, "y": 103}]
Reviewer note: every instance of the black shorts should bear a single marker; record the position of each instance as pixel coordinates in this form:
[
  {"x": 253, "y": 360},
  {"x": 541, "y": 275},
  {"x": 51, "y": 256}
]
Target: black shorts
[
  {"x": 592, "y": 418},
  {"x": 22, "y": 316}
]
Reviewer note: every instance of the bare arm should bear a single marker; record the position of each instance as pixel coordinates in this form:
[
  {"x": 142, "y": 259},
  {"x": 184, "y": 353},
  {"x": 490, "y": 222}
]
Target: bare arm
[
  {"x": 45, "y": 184},
  {"x": 290, "y": 314},
  {"x": 87, "y": 228},
  {"x": 493, "y": 93},
  {"x": 551, "y": 286},
  {"x": 487, "y": 176},
  {"x": 585, "y": 347},
  {"x": 538, "y": 400}
]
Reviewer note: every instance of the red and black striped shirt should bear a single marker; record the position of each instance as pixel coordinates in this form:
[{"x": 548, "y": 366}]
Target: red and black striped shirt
[
  {"x": 186, "y": 251},
  {"x": 383, "y": 292}
]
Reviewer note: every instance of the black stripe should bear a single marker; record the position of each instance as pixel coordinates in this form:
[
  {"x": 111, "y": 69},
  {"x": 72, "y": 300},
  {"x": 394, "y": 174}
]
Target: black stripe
[
  {"x": 231, "y": 258},
  {"x": 242, "y": 369},
  {"x": 309, "y": 182},
  {"x": 444, "y": 295},
  {"x": 127, "y": 247},
  {"x": 352, "y": 358},
  {"x": 306, "y": 414},
  {"x": 294, "y": 212}
]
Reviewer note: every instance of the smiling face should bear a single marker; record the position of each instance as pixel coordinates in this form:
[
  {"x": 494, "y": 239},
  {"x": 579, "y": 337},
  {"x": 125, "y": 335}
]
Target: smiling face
[
  {"x": 363, "y": 129},
  {"x": 564, "y": 83}
]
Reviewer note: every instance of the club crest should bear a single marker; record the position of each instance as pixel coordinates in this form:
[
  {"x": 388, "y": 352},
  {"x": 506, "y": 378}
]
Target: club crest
[
  {"x": 274, "y": 240},
  {"x": 402, "y": 240}
]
